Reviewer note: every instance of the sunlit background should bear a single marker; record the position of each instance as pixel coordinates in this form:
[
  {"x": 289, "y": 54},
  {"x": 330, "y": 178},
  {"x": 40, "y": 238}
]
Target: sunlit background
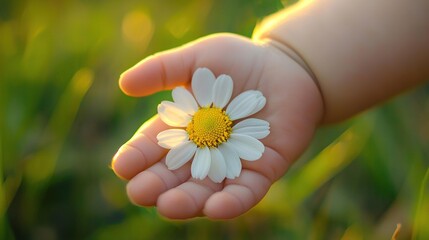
[{"x": 62, "y": 118}]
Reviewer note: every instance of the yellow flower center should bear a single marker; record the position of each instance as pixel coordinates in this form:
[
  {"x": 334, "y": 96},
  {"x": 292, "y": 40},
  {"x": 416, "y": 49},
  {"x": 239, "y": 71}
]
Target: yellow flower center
[{"x": 209, "y": 127}]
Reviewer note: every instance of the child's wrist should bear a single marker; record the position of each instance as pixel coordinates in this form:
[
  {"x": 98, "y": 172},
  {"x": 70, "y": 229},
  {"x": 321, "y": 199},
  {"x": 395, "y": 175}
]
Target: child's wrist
[{"x": 295, "y": 57}]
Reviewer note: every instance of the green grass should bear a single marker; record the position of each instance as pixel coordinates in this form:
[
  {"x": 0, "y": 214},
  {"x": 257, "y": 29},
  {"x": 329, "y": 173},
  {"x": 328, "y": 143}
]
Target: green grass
[{"x": 63, "y": 117}]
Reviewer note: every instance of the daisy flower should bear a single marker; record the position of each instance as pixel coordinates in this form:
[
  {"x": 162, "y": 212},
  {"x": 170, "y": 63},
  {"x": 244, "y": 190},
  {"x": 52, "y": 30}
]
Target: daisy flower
[{"x": 208, "y": 130}]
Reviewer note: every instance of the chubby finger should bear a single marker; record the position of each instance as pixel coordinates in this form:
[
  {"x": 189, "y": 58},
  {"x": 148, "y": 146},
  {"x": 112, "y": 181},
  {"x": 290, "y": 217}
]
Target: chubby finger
[
  {"x": 158, "y": 72},
  {"x": 145, "y": 188},
  {"x": 168, "y": 69},
  {"x": 141, "y": 151},
  {"x": 188, "y": 199},
  {"x": 238, "y": 196},
  {"x": 241, "y": 194}
]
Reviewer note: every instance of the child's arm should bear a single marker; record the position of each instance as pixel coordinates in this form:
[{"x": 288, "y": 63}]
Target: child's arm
[{"x": 361, "y": 52}]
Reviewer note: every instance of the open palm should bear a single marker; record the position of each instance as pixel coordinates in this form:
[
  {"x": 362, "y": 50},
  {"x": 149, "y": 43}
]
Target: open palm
[{"x": 293, "y": 109}]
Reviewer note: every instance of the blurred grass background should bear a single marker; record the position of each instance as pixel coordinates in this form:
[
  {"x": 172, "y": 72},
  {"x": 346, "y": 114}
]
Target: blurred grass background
[{"x": 62, "y": 118}]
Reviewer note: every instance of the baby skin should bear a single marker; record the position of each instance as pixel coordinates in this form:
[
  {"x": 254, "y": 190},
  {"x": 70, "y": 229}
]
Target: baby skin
[{"x": 316, "y": 63}]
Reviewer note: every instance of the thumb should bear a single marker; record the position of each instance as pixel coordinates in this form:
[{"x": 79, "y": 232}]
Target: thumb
[
  {"x": 158, "y": 72},
  {"x": 172, "y": 68}
]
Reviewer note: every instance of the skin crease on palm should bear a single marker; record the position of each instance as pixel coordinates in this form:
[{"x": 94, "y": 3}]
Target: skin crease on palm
[{"x": 294, "y": 109}]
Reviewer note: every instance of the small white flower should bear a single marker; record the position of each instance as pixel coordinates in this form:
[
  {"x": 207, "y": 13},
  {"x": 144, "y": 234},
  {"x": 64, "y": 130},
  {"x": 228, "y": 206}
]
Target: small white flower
[{"x": 208, "y": 133}]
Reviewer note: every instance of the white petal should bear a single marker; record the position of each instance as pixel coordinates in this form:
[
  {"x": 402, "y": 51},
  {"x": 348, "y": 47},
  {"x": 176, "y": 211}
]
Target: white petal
[
  {"x": 202, "y": 86},
  {"x": 253, "y": 127},
  {"x": 172, "y": 137},
  {"x": 222, "y": 91},
  {"x": 244, "y": 104},
  {"x": 185, "y": 99},
  {"x": 251, "y": 122},
  {"x": 232, "y": 161},
  {"x": 179, "y": 155},
  {"x": 217, "y": 172},
  {"x": 201, "y": 164},
  {"x": 247, "y": 148},
  {"x": 173, "y": 115},
  {"x": 260, "y": 105}
]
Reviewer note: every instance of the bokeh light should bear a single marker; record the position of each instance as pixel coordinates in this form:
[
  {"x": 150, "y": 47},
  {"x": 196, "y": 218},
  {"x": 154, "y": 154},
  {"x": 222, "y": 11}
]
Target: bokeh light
[{"x": 62, "y": 117}]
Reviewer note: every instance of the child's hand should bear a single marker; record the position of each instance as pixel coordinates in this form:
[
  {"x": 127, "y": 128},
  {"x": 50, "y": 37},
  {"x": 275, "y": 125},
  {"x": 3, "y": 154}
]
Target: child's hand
[{"x": 294, "y": 108}]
